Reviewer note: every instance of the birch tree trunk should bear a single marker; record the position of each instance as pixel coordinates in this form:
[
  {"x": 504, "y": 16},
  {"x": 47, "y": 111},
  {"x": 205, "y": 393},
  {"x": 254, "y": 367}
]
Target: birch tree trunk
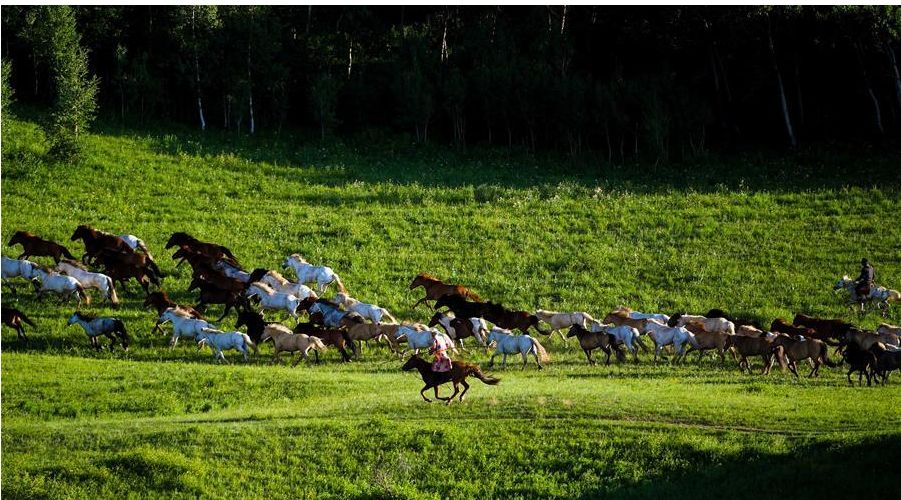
[
  {"x": 789, "y": 130},
  {"x": 197, "y": 71}
]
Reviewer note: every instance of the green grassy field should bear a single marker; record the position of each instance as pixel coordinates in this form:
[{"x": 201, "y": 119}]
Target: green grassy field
[{"x": 757, "y": 237}]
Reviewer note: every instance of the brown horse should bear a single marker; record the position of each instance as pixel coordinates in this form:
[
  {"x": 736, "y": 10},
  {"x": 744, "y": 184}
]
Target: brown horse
[
  {"x": 122, "y": 266},
  {"x": 721, "y": 342},
  {"x": 219, "y": 252},
  {"x": 779, "y": 325},
  {"x": 38, "y": 247},
  {"x": 218, "y": 279},
  {"x": 435, "y": 289},
  {"x": 860, "y": 360},
  {"x": 796, "y": 350},
  {"x": 363, "y": 332},
  {"x": 457, "y": 375},
  {"x": 328, "y": 336},
  {"x": 14, "y": 319},
  {"x": 753, "y": 346},
  {"x": 620, "y": 318},
  {"x": 95, "y": 241},
  {"x": 833, "y": 329},
  {"x": 886, "y": 361},
  {"x": 865, "y": 339},
  {"x": 590, "y": 341}
]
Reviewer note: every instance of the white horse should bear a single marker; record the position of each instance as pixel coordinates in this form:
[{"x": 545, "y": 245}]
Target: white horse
[
  {"x": 420, "y": 339},
  {"x": 664, "y": 335},
  {"x": 232, "y": 271},
  {"x": 64, "y": 286},
  {"x": 89, "y": 279},
  {"x": 560, "y": 320},
  {"x": 272, "y": 300},
  {"x": 136, "y": 244},
  {"x": 881, "y": 295},
  {"x": 219, "y": 341},
  {"x": 182, "y": 326},
  {"x": 507, "y": 343},
  {"x": 713, "y": 325},
  {"x": 624, "y": 334},
  {"x": 640, "y": 315},
  {"x": 371, "y": 312},
  {"x": 280, "y": 284},
  {"x": 307, "y": 273},
  {"x": 113, "y": 328},
  {"x": 16, "y": 268}
]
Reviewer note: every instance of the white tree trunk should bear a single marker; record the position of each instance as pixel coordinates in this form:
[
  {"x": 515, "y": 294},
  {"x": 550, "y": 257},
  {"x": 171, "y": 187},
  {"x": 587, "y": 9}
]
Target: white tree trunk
[
  {"x": 197, "y": 72},
  {"x": 789, "y": 130}
]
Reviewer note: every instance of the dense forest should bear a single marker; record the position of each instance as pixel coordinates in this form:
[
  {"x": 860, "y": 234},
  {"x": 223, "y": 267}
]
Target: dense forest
[{"x": 622, "y": 83}]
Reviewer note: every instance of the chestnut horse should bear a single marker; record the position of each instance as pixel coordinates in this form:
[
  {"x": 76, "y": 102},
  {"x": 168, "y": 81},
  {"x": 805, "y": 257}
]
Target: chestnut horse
[
  {"x": 14, "y": 318},
  {"x": 457, "y": 375},
  {"x": 328, "y": 336},
  {"x": 833, "y": 329},
  {"x": 435, "y": 289},
  {"x": 121, "y": 267},
  {"x": 38, "y": 247}
]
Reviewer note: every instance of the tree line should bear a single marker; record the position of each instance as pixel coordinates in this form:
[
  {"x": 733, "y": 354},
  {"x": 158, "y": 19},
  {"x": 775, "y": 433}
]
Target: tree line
[{"x": 624, "y": 83}]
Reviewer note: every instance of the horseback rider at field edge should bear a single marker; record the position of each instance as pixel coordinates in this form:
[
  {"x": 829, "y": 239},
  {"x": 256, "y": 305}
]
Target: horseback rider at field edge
[{"x": 866, "y": 280}]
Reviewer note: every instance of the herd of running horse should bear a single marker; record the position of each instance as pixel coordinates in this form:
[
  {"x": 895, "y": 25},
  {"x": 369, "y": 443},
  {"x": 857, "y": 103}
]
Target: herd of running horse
[{"x": 345, "y": 323}]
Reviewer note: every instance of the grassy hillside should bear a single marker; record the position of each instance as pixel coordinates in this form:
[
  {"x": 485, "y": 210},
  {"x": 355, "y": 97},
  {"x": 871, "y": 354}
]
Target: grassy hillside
[{"x": 757, "y": 237}]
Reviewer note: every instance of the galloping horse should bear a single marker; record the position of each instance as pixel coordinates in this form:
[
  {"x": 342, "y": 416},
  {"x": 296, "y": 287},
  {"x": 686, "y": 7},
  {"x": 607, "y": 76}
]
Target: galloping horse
[
  {"x": 506, "y": 319},
  {"x": 211, "y": 294},
  {"x": 281, "y": 284},
  {"x": 323, "y": 276},
  {"x": 881, "y": 295},
  {"x": 95, "y": 241},
  {"x": 219, "y": 341},
  {"x": 88, "y": 279},
  {"x": 35, "y": 246},
  {"x": 457, "y": 375},
  {"x": 13, "y": 268},
  {"x": 64, "y": 286},
  {"x": 284, "y": 340},
  {"x": 796, "y": 349},
  {"x": 14, "y": 318},
  {"x": 507, "y": 343},
  {"x": 435, "y": 289},
  {"x": 213, "y": 250},
  {"x": 371, "y": 312},
  {"x": 590, "y": 341},
  {"x": 112, "y": 328}
]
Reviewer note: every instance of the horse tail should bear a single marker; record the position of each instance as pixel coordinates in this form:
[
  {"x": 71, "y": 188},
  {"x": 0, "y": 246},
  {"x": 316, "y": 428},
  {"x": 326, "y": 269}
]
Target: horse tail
[
  {"x": 65, "y": 251},
  {"x": 317, "y": 343},
  {"x": 349, "y": 341},
  {"x": 153, "y": 267},
  {"x": 81, "y": 293},
  {"x": 893, "y": 296},
  {"x": 824, "y": 356},
  {"x": 25, "y": 318},
  {"x": 151, "y": 275},
  {"x": 340, "y": 284},
  {"x": 120, "y": 328},
  {"x": 389, "y": 316},
  {"x": 248, "y": 341},
  {"x": 641, "y": 344},
  {"x": 111, "y": 292},
  {"x": 542, "y": 353},
  {"x": 477, "y": 373}
]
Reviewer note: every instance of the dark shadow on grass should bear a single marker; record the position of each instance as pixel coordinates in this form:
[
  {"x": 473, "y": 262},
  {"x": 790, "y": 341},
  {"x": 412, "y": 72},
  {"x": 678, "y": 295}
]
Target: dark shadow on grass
[
  {"x": 821, "y": 469},
  {"x": 395, "y": 159}
]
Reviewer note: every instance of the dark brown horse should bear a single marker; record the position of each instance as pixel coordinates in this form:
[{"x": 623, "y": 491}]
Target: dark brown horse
[
  {"x": 457, "y": 375},
  {"x": 795, "y": 350},
  {"x": 435, "y": 289},
  {"x": 14, "y": 319},
  {"x": 590, "y": 341},
  {"x": 34, "y": 246},
  {"x": 753, "y": 346},
  {"x": 461, "y": 307},
  {"x": 834, "y": 329},
  {"x": 218, "y": 252},
  {"x": 520, "y": 320},
  {"x": 95, "y": 241},
  {"x": 779, "y": 325},
  {"x": 719, "y": 313},
  {"x": 211, "y": 294},
  {"x": 218, "y": 279}
]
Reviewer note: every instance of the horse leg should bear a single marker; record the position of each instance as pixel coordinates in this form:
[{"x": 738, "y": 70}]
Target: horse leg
[
  {"x": 504, "y": 362},
  {"x": 793, "y": 367},
  {"x": 588, "y": 355},
  {"x": 465, "y": 388},
  {"x": 456, "y": 391},
  {"x": 559, "y": 332},
  {"x": 491, "y": 363},
  {"x": 228, "y": 307},
  {"x": 439, "y": 397},
  {"x": 422, "y": 393},
  {"x": 849, "y": 377}
]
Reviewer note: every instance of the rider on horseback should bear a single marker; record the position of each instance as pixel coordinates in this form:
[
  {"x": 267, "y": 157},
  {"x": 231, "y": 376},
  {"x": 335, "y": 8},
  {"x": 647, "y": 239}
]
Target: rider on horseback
[
  {"x": 865, "y": 281},
  {"x": 439, "y": 348}
]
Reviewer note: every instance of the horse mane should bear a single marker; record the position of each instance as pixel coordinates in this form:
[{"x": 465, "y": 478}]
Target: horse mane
[{"x": 75, "y": 263}]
